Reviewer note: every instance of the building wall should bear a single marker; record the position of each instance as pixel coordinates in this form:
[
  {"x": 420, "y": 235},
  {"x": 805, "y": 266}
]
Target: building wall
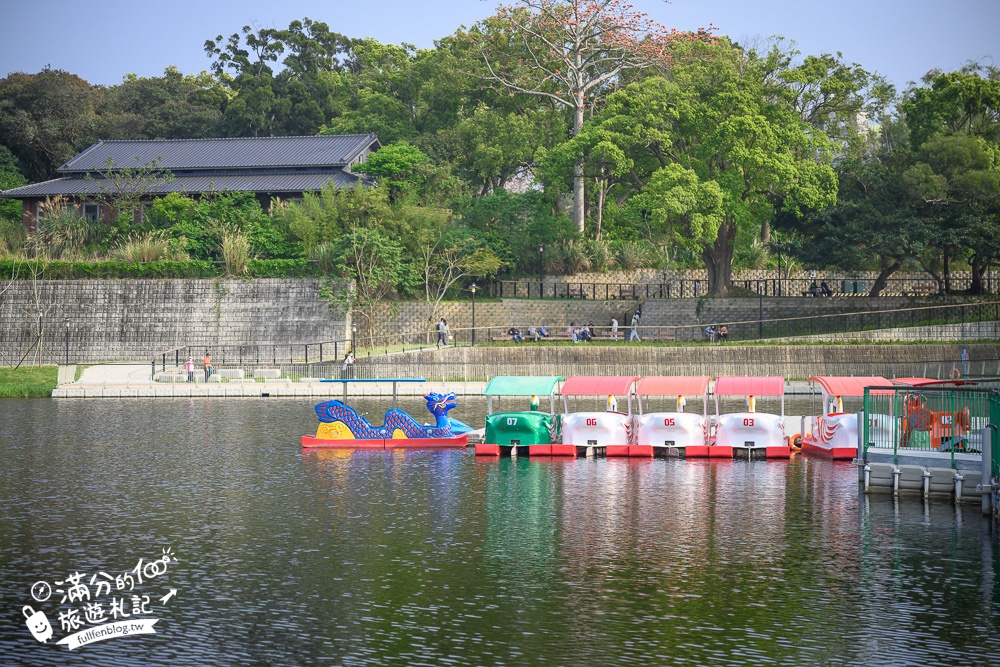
[{"x": 117, "y": 320}]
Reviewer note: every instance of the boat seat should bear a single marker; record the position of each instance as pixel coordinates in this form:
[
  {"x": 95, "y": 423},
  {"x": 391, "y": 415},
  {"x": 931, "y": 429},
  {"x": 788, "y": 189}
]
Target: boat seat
[
  {"x": 880, "y": 476},
  {"x": 911, "y": 478}
]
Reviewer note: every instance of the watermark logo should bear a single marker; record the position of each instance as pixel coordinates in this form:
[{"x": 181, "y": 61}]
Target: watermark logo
[{"x": 102, "y": 606}]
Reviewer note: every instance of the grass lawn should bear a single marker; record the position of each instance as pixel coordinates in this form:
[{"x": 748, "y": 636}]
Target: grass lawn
[{"x": 27, "y": 381}]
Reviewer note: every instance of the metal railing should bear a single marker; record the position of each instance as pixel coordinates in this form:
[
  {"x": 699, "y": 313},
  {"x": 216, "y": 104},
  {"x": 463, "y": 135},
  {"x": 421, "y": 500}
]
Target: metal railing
[
  {"x": 238, "y": 356},
  {"x": 945, "y": 418},
  {"x": 684, "y": 288}
]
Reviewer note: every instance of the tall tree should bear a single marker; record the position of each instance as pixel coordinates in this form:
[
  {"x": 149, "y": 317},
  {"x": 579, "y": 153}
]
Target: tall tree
[
  {"x": 570, "y": 52},
  {"x": 46, "y": 119}
]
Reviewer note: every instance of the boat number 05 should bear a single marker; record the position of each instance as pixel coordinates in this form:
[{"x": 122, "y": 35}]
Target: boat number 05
[
  {"x": 591, "y": 421},
  {"x": 669, "y": 421},
  {"x": 748, "y": 421},
  {"x": 511, "y": 421}
]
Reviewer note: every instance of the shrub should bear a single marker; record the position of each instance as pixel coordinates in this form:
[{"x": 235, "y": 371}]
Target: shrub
[
  {"x": 235, "y": 252},
  {"x": 150, "y": 247}
]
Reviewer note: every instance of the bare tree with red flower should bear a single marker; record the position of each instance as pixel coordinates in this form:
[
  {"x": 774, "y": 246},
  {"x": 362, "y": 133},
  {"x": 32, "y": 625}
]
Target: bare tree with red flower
[{"x": 571, "y": 52}]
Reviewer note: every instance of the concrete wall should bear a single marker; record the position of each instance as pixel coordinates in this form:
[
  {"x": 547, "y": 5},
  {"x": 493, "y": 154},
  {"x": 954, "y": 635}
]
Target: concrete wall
[
  {"x": 113, "y": 320},
  {"x": 792, "y": 361}
]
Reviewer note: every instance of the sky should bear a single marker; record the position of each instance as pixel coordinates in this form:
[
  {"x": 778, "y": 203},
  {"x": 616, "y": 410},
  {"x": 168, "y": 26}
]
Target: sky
[{"x": 104, "y": 41}]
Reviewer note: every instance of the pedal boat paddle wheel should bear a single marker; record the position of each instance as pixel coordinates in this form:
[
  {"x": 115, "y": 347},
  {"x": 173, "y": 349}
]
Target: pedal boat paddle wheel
[
  {"x": 834, "y": 433},
  {"x": 750, "y": 434},
  {"x": 674, "y": 433},
  {"x": 514, "y": 432},
  {"x": 586, "y": 433}
]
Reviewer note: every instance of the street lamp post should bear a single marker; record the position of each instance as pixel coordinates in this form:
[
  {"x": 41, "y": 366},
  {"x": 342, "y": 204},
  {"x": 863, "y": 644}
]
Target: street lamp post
[
  {"x": 67, "y": 341},
  {"x": 354, "y": 339},
  {"x": 541, "y": 282},
  {"x": 473, "y": 288}
]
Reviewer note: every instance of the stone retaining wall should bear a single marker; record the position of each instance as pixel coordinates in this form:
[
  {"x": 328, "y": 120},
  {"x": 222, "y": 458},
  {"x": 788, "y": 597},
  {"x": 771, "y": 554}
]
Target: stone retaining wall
[{"x": 113, "y": 320}]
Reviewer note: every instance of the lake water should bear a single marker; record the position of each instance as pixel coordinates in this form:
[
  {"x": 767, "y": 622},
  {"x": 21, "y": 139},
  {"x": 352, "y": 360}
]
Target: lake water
[{"x": 280, "y": 557}]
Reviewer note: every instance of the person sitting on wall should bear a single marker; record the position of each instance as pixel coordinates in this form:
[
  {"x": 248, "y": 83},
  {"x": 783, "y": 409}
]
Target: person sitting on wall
[
  {"x": 515, "y": 334},
  {"x": 571, "y": 332},
  {"x": 710, "y": 333},
  {"x": 533, "y": 332},
  {"x": 723, "y": 333},
  {"x": 825, "y": 289},
  {"x": 544, "y": 331},
  {"x": 814, "y": 289},
  {"x": 583, "y": 333}
]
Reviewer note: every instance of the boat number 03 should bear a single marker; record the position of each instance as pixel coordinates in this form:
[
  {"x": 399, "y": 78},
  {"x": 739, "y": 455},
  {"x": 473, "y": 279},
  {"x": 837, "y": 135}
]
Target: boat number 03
[
  {"x": 669, "y": 421},
  {"x": 511, "y": 421},
  {"x": 591, "y": 421},
  {"x": 748, "y": 421}
]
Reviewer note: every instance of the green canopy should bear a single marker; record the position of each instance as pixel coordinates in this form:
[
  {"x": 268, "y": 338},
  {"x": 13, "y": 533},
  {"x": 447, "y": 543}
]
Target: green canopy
[{"x": 532, "y": 385}]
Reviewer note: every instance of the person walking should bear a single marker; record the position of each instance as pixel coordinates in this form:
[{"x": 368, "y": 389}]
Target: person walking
[
  {"x": 635, "y": 328},
  {"x": 207, "y": 362},
  {"x": 442, "y": 333},
  {"x": 189, "y": 368},
  {"x": 614, "y": 328}
]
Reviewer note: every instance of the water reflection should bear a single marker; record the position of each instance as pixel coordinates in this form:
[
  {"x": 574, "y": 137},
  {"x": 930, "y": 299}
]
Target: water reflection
[{"x": 405, "y": 557}]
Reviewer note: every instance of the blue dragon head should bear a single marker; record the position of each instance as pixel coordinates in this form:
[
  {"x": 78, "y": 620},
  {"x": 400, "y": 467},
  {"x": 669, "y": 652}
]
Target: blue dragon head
[{"x": 439, "y": 405}]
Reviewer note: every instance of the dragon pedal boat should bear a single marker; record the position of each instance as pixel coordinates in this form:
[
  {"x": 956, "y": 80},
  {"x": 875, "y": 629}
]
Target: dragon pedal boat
[{"x": 342, "y": 427}]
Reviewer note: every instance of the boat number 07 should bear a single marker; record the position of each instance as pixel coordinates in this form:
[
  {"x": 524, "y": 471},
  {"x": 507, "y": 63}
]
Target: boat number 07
[
  {"x": 669, "y": 421},
  {"x": 748, "y": 421},
  {"x": 511, "y": 421},
  {"x": 591, "y": 421}
]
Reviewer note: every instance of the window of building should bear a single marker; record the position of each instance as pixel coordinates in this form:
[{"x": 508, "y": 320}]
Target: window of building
[{"x": 92, "y": 211}]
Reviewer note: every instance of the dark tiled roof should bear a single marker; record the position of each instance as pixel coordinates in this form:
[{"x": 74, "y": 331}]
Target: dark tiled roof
[
  {"x": 325, "y": 151},
  {"x": 194, "y": 184}
]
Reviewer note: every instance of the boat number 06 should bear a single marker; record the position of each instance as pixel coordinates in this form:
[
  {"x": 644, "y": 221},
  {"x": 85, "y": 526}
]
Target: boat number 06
[
  {"x": 748, "y": 421},
  {"x": 669, "y": 421},
  {"x": 511, "y": 421},
  {"x": 591, "y": 421}
]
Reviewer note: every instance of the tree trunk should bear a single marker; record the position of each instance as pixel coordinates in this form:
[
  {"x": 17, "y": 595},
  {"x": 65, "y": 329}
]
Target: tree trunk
[
  {"x": 933, "y": 274},
  {"x": 601, "y": 194},
  {"x": 765, "y": 232},
  {"x": 718, "y": 260},
  {"x": 578, "y": 180},
  {"x": 978, "y": 269},
  {"x": 888, "y": 268},
  {"x": 947, "y": 272}
]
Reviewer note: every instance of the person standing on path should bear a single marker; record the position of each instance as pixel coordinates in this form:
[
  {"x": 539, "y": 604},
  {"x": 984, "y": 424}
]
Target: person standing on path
[
  {"x": 208, "y": 366},
  {"x": 347, "y": 370},
  {"x": 614, "y": 328},
  {"x": 189, "y": 369},
  {"x": 635, "y": 328}
]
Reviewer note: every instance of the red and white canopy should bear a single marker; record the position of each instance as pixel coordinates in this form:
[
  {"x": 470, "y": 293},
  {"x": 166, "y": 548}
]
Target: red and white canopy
[
  {"x": 750, "y": 386},
  {"x": 848, "y": 386},
  {"x": 673, "y": 385},
  {"x": 598, "y": 385}
]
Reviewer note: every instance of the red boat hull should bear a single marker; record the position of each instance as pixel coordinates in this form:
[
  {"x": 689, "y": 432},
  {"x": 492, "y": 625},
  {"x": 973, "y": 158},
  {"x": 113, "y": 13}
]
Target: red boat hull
[{"x": 456, "y": 442}]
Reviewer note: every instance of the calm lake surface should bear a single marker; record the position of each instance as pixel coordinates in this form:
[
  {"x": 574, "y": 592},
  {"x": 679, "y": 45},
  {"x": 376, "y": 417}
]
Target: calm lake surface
[{"x": 434, "y": 558}]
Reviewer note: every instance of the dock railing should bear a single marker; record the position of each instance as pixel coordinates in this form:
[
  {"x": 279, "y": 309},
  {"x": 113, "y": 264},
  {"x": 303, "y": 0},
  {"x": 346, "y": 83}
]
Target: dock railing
[{"x": 943, "y": 418}]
